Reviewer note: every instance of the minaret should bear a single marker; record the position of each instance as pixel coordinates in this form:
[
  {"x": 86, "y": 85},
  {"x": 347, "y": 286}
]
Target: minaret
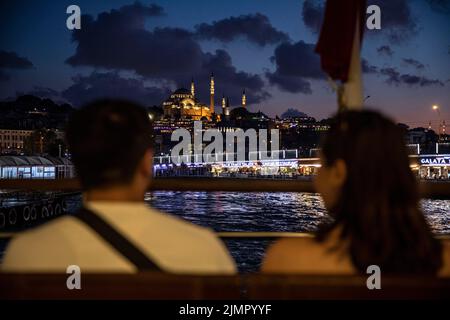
[
  {"x": 224, "y": 104},
  {"x": 192, "y": 88},
  {"x": 244, "y": 99},
  {"x": 227, "y": 107},
  {"x": 211, "y": 102}
]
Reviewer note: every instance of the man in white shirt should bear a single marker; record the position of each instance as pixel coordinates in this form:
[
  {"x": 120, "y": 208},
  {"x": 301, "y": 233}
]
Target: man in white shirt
[{"x": 111, "y": 148}]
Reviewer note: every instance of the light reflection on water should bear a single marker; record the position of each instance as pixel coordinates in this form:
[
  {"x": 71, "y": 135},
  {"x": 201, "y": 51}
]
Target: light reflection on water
[
  {"x": 437, "y": 213},
  {"x": 260, "y": 211},
  {"x": 237, "y": 211},
  {"x": 289, "y": 212}
]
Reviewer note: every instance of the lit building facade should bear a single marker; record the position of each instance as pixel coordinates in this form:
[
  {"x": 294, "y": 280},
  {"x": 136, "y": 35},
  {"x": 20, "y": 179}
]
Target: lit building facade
[
  {"x": 183, "y": 104},
  {"x": 13, "y": 140}
]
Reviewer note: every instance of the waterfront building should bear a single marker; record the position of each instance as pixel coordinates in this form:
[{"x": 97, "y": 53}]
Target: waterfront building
[
  {"x": 22, "y": 167},
  {"x": 430, "y": 163},
  {"x": 291, "y": 163},
  {"x": 12, "y": 141}
]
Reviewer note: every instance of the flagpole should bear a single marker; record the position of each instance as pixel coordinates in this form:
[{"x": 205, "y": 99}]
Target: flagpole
[{"x": 350, "y": 93}]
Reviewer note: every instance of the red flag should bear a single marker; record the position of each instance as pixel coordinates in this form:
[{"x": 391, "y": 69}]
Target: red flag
[{"x": 337, "y": 35}]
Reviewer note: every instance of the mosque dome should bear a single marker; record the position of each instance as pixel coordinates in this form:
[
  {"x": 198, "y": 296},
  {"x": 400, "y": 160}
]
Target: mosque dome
[{"x": 182, "y": 91}]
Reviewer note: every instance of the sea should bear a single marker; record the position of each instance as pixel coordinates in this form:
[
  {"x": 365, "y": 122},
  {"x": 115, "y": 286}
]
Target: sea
[{"x": 258, "y": 211}]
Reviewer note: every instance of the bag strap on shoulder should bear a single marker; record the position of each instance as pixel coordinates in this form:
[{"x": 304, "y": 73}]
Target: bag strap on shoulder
[{"x": 117, "y": 240}]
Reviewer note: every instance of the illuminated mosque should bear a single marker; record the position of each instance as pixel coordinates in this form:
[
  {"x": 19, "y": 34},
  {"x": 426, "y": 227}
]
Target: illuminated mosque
[{"x": 183, "y": 104}]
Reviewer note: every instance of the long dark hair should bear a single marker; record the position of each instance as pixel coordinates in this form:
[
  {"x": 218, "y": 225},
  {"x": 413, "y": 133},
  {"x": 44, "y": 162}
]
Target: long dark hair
[{"x": 378, "y": 207}]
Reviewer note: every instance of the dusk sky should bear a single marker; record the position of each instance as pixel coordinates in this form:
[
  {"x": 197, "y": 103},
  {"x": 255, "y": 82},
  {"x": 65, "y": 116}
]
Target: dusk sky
[{"x": 144, "y": 50}]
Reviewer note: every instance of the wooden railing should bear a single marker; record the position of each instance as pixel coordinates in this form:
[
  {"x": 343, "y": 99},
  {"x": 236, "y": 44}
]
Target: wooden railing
[{"x": 254, "y": 286}]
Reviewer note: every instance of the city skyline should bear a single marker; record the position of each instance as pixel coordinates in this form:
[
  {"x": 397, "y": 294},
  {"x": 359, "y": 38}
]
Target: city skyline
[{"x": 146, "y": 50}]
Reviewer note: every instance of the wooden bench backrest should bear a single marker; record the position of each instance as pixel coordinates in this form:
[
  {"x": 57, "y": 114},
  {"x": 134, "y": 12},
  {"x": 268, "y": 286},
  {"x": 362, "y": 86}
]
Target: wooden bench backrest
[{"x": 257, "y": 286}]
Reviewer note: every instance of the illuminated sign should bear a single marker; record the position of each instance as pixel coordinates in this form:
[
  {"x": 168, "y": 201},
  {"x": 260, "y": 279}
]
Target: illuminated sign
[
  {"x": 443, "y": 161},
  {"x": 263, "y": 163}
]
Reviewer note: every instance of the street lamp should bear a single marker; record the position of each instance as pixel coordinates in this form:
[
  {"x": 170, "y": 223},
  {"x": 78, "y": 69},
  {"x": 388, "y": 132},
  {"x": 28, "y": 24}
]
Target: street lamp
[{"x": 437, "y": 109}]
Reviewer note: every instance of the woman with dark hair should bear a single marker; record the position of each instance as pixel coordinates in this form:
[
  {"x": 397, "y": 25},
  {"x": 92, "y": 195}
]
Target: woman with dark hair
[{"x": 372, "y": 197}]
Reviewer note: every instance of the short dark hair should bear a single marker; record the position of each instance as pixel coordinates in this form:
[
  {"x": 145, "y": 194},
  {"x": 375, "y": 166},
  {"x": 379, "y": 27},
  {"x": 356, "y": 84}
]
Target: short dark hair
[{"x": 107, "y": 139}]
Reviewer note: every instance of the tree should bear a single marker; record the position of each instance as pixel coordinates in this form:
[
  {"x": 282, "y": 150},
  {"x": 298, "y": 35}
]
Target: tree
[{"x": 43, "y": 141}]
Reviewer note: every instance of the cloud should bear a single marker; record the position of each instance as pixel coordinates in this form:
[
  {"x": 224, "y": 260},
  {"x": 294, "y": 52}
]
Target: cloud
[
  {"x": 396, "y": 78},
  {"x": 228, "y": 80},
  {"x": 412, "y": 62},
  {"x": 385, "y": 50},
  {"x": 137, "y": 9},
  {"x": 312, "y": 14},
  {"x": 111, "y": 85},
  {"x": 44, "y": 93},
  {"x": 367, "y": 67},
  {"x": 298, "y": 59},
  {"x": 296, "y": 63},
  {"x": 397, "y": 22},
  {"x": 441, "y": 6},
  {"x": 118, "y": 40},
  {"x": 11, "y": 60},
  {"x": 293, "y": 113},
  {"x": 255, "y": 27},
  {"x": 419, "y": 80},
  {"x": 292, "y": 84}
]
